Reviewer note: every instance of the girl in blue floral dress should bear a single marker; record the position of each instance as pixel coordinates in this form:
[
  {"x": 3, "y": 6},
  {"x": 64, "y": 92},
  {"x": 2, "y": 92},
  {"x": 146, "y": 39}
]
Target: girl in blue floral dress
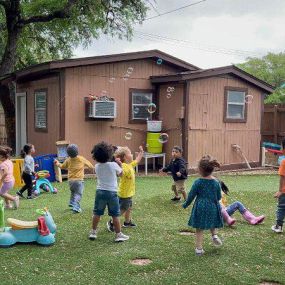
[{"x": 206, "y": 211}]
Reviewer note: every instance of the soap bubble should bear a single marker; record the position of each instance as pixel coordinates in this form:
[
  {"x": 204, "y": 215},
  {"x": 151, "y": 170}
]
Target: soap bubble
[
  {"x": 248, "y": 99},
  {"x": 159, "y": 61},
  {"x": 163, "y": 138},
  {"x": 126, "y": 76},
  {"x": 128, "y": 136},
  {"x": 151, "y": 108},
  {"x": 130, "y": 70},
  {"x": 136, "y": 110},
  {"x": 168, "y": 95},
  {"x": 170, "y": 89},
  {"x": 112, "y": 79},
  {"x": 104, "y": 93}
]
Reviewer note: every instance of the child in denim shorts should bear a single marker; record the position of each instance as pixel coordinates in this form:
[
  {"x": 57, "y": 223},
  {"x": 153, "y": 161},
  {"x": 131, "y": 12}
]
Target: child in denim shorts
[{"x": 107, "y": 187}]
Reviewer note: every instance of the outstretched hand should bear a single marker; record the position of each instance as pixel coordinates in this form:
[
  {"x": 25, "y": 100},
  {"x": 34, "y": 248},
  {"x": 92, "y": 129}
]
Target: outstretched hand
[
  {"x": 56, "y": 162},
  {"x": 118, "y": 161},
  {"x": 277, "y": 194}
]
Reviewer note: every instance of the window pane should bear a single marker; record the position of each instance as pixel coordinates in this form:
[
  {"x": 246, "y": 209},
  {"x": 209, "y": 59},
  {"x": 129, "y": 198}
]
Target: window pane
[
  {"x": 236, "y": 97},
  {"x": 140, "y": 112},
  {"x": 40, "y": 119},
  {"x": 40, "y": 98},
  {"x": 147, "y": 98},
  {"x": 137, "y": 98},
  {"x": 235, "y": 111}
]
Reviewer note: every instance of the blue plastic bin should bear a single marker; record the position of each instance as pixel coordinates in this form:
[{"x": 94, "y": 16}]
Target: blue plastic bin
[
  {"x": 45, "y": 162},
  {"x": 271, "y": 145}
]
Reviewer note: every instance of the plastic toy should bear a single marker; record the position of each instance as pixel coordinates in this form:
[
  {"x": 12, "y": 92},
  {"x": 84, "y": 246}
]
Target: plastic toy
[
  {"x": 43, "y": 183},
  {"x": 41, "y": 231}
]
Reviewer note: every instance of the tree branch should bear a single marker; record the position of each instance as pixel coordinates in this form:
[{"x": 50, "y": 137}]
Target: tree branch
[{"x": 59, "y": 14}]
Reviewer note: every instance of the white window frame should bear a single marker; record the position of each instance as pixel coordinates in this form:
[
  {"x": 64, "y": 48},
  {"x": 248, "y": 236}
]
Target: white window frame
[{"x": 37, "y": 93}]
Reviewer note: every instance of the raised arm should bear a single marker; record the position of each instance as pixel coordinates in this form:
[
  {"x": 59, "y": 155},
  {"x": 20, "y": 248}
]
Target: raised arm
[
  {"x": 191, "y": 196},
  {"x": 140, "y": 154}
]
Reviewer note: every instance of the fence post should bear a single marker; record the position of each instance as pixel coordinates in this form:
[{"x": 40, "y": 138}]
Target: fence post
[{"x": 275, "y": 131}]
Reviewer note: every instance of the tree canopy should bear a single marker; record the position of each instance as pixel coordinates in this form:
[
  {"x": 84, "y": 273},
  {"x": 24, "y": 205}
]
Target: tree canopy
[{"x": 271, "y": 69}]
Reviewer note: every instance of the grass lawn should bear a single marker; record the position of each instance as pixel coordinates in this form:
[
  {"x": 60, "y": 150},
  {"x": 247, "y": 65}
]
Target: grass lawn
[{"x": 250, "y": 254}]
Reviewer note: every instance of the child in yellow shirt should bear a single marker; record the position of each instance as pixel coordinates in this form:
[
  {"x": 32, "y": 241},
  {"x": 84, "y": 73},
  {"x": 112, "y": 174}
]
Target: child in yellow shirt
[
  {"x": 124, "y": 157},
  {"x": 75, "y": 165}
]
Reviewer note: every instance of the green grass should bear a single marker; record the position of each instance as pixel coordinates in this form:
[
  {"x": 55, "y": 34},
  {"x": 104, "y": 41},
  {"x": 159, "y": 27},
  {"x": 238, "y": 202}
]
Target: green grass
[{"x": 249, "y": 255}]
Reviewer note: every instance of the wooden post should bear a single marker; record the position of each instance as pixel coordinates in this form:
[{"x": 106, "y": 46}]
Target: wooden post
[{"x": 275, "y": 131}]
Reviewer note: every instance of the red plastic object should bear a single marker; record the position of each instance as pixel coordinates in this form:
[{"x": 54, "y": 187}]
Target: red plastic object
[{"x": 42, "y": 227}]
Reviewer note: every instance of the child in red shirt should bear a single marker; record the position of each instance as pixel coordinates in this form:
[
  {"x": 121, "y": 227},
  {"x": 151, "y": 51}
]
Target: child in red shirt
[{"x": 280, "y": 212}]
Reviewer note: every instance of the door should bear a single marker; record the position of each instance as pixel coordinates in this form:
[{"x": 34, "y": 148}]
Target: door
[{"x": 21, "y": 121}]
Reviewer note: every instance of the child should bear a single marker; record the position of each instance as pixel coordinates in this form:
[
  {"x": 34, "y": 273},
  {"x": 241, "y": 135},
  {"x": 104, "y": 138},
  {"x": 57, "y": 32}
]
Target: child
[
  {"x": 7, "y": 179},
  {"x": 75, "y": 165},
  {"x": 280, "y": 211},
  {"x": 124, "y": 158},
  {"x": 206, "y": 212},
  {"x": 228, "y": 211},
  {"x": 178, "y": 169},
  {"x": 107, "y": 187},
  {"x": 29, "y": 170}
]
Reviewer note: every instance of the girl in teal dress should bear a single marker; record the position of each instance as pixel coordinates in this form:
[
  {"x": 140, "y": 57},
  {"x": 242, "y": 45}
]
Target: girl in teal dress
[{"x": 206, "y": 212}]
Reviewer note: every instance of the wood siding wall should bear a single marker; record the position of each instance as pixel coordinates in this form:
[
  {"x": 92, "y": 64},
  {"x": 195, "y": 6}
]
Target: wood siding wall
[
  {"x": 44, "y": 141},
  {"x": 82, "y": 81},
  {"x": 208, "y": 134},
  {"x": 273, "y": 123}
]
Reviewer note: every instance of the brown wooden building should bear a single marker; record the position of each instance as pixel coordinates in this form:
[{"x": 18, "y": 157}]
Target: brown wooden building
[{"x": 205, "y": 111}]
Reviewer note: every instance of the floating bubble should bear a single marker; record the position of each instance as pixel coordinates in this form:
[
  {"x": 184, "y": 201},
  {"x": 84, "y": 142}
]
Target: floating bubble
[
  {"x": 248, "y": 99},
  {"x": 136, "y": 110},
  {"x": 126, "y": 76},
  {"x": 170, "y": 89},
  {"x": 159, "y": 61},
  {"x": 128, "y": 136},
  {"x": 130, "y": 70},
  {"x": 112, "y": 79},
  {"x": 163, "y": 138},
  {"x": 104, "y": 93},
  {"x": 168, "y": 95},
  {"x": 151, "y": 108}
]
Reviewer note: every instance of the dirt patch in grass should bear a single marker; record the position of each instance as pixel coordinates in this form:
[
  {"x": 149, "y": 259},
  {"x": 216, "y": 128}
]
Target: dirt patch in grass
[
  {"x": 186, "y": 233},
  {"x": 141, "y": 261}
]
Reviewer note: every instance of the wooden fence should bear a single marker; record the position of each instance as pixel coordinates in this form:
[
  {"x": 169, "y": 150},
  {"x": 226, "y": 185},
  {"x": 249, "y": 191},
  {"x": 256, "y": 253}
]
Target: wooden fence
[
  {"x": 3, "y": 136},
  {"x": 273, "y": 123}
]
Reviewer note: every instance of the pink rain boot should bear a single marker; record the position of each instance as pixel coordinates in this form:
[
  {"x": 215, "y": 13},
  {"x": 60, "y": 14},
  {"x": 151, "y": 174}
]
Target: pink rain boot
[
  {"x": 227, "y": 218},
  {"x": 253, "y": 220}
]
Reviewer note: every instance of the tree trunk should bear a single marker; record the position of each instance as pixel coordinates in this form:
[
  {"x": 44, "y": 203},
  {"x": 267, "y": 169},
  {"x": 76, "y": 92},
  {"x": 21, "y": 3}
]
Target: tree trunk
[{"x": 9, "y": 111}]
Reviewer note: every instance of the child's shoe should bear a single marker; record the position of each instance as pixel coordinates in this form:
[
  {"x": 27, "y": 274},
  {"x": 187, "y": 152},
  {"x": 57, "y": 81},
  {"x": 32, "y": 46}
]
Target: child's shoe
[
  {"x": 110, "y": 226},
  {"x": 77, "y": 210},
  {"x": 32, "y": 197},
  {"x": 93, "y": 234},
  {"x": 121, "y": 237},
  {"x": 16, "y": 202},
  {"x": 130, "y": 224},
  {"x": 199, "y": 251},
  {"x": 70, "y": 205},
  {"x": 216, "y": 240},
  {"x": 277, "y": 229},
  {"x": 176, "y": 198},
  {"x": 20, "y": 194}
]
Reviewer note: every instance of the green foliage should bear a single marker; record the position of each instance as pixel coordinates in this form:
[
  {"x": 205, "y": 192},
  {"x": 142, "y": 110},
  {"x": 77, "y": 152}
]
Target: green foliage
[
  {"x": 55, "y": 39},
  {"x": 250, "y": 254},
  {"x": 271, "y": 69}
]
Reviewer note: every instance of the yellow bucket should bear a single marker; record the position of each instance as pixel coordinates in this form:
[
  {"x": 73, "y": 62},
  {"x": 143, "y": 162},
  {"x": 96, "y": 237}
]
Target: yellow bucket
[
  {"x": 18, "y": 165},
  {"x": 153, "y": 145}
]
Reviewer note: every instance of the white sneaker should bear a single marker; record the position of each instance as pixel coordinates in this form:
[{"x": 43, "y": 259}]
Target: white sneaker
[
  {"x": 277, "y": 229},
  {"x": 93, "y": 234},
  {"x": 216, "y": 240},
  {"x": 199, "y": 251},
  {"x": 121, "y": 237},
  {"x": 16, "y": 202}
]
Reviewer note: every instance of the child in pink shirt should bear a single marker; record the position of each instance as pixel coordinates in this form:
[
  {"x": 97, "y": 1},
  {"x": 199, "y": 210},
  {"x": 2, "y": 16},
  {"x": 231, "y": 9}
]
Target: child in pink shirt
[{"x": 7, "y": 179}]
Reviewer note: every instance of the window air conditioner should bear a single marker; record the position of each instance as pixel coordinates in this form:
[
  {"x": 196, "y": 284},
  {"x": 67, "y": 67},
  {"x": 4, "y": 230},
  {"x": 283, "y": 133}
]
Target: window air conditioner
[{"x": 102, "y": 109}]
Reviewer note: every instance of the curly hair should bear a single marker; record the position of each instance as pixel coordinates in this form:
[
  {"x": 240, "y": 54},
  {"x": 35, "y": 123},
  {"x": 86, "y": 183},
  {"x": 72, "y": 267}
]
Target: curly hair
[
  {"x": 207, "y": 165},
  {"x": 5, "y": 151},
  {"x": 121, "y": 153},
  {"x": 102, "y": 152}
]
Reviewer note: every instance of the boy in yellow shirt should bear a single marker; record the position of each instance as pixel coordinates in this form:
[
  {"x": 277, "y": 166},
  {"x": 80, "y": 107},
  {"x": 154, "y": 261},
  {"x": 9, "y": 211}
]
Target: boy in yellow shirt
[
  {"x": 124, "y": 157},
  {"x": 75, "y": 165}
]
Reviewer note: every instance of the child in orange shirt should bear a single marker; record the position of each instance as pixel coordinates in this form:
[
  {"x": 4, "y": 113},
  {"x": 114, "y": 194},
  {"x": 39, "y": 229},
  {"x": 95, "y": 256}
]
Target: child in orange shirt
[{"x": 280, "y": 212}]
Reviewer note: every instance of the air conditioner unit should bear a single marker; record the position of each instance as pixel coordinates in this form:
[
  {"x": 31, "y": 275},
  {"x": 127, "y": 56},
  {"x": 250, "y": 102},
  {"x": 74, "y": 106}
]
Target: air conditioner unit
[{"x": 102, "y": 109}]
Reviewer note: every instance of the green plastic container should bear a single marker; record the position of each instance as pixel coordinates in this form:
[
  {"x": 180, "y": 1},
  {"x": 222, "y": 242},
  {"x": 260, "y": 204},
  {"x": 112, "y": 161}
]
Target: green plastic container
[{"x": 153, "y": 145}]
